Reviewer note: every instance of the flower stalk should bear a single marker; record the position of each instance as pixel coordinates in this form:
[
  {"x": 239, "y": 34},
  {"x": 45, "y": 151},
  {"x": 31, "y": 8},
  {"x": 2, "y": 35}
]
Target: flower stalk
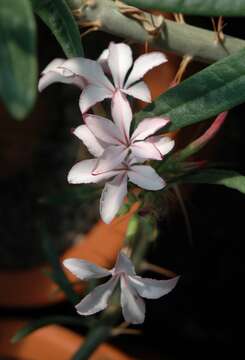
[{"x": 180, "y": 38}]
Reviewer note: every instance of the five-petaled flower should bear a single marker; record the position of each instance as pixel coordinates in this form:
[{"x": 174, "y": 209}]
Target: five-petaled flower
[
  {"x": 117, "y": 60},
  {"x": 133, "y": 287},
  {"x": 116, "y": 179},
  {"x": 118, "y": 141}
]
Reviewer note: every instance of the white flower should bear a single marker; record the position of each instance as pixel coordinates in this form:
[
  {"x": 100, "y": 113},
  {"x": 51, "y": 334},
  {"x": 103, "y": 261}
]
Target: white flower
[
  {"x": 116, "y": 179},
  {"x": 118, "y": 141},
  {"x": 118, "y": 59},
  {"x": 55, "y": 73},
  {"x": 133, "y": 287}
]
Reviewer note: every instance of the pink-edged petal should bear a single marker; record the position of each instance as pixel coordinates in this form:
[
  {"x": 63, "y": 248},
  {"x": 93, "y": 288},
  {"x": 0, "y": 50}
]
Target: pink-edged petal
[
  {"x": 163, "y": 143},
  {"x": 81, "y": 173},
  {"x": 88, "y": 138},
  {"x": 133, "y": 307},
  {"x": 119, "y": 61},
  {"x": 52, "y": 77},
  {"x": 103, "y": 129},
  {"x": 111, "y": 158},
  {"x": 91, "y": 95},
  {"x": 139, "y": 91},
  {"x": 143, "y": 64},
  {"x": 90, "y": 70},
  {"x": 85, "y": 270},
  {"x": 52, "y": 66},
  {"x": 121, "y": 114},
  {"x": 150, "y": 288},
  {"x": 145, "y": 150},
  {"x": 97, "y": 300},
  {"x": 103, "y": 61},
  {"x": 148, "y": 127},
  {"x": 124, "y": 264},
  {"x": 112, "y": 197},
  {"x": 145, "y": 177}
]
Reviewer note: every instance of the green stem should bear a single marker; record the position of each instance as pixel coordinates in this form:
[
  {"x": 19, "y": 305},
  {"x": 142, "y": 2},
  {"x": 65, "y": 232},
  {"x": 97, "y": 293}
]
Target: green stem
[
  {"x": 37, "y": 324},
  {"x": 94, "y": 338},
  {"x": 179, "y": 38}
]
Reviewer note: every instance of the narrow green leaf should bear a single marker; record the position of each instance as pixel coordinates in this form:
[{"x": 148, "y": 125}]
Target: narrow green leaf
[
  {"x": 213, "y": 90},
  {"x": 194, "y": 7},
  {"x": 18, "y": 74},
  {"x": 37, "y": 324},
  {"x": 58, "y": 17},
  {"x": 58, "y": 274},
  {"x": 228, "y": 178}
]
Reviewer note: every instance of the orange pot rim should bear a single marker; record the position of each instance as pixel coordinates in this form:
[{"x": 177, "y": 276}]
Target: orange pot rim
[
  {"x": 33, "y": 288},
  {"x": 51, "y": 342}
]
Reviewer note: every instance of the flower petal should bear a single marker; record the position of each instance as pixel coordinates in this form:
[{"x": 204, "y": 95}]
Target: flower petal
[
  {"x": 140, "y": 91},
  {"x": 148, "y": 127},
  {"x": 143, "y": 64},
  {"x": 145, "y": 177},
  {"x": 52, "y": 77},
  {"x": 53, "y": 65},
  {"x": 121, "y": 114},
  {"x": 124, "y": 264},
  {"x": 112, "y": 197},
  {"x": 85, "y": 270},
  {"x": 91, "y": 95},
  {"x": 54, "y": 73},
  {"x": 103, "y": 61},
  {"x": 150, "y": 288},
  {"x": 133, "y": 307},
  {"x": 90, "y": 70},
  {"x": 97, "y": 300},
  {"x": 145, "y": 150},
  {"x": 163, "y": 143},
  {"x": 111, "y": 158},
  {"x": 103, "y": 129},
  {"x": 88, "y": 138},
  {"x": 119, "y": 61},
  {"x": 81, "y": 173}
]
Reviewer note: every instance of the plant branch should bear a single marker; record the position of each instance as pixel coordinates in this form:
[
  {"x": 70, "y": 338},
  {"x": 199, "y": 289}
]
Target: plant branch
[{"x": 180, "y": 38}]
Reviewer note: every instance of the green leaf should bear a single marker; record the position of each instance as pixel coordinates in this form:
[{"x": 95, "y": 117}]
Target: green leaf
[
  {"x": 37, "y": 324},
  {"x": 58, "y": 17},
  {"x": 228, "y": 178},
  {"x": 194, "y": 7},
  {"x": 18, "y": 74},
  {"x": 57, "y": 274},
  {"x": 213, "y": 90}
]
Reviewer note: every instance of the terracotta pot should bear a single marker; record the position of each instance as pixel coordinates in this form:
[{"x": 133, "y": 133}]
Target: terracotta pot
[
  {"x": 32, "y": 288},
  {"x": 50, "y": 342}
]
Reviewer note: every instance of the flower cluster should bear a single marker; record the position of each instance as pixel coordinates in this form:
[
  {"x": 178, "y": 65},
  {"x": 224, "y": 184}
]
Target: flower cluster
[
  {"x": 119, "y": 155},
  {"x": 119, "y": 152}
]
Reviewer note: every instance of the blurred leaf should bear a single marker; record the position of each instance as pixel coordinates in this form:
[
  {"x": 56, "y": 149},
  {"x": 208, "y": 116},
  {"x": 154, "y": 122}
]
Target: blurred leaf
[
  {"x": 213, "y": 90},
  {"x": 18, "y": 75},
  {"x": 58, "y": 17},
  {"x": 228, "y": 178},
  {"x": 37, "y": 324},
  {"x": 194, "y": 7}
]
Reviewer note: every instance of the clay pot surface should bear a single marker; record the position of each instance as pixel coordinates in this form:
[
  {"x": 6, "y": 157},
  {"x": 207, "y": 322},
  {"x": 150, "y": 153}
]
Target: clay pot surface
[
  {"x": 32, "y": 288},
  {"x": 50, "y": 342}
]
